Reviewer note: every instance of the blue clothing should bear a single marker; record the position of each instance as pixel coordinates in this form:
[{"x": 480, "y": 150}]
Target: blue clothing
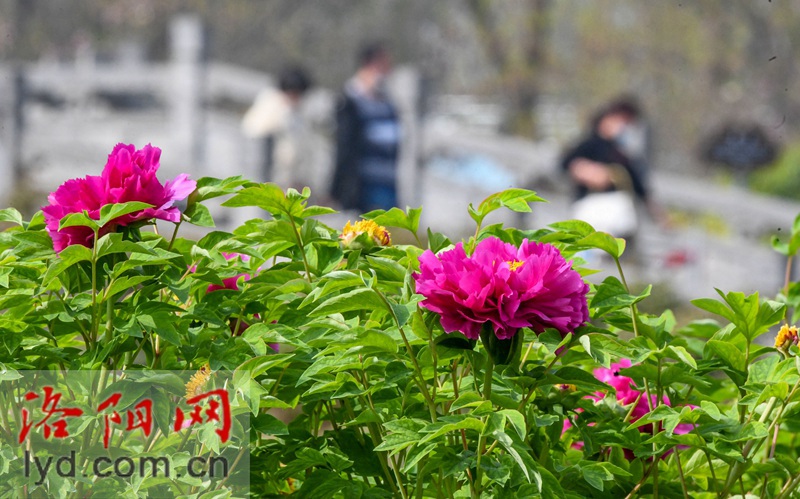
[{"x": 367, "y": 146}]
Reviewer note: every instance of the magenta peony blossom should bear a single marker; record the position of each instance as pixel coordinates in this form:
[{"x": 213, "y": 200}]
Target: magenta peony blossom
[
  {"x": 626, "y": 395},
  {"x": 621, "y": 384},
  {"x": 231, "y": 282},
  {"x": 530, "y": 286},
  {"x": 129, "y": 175}
]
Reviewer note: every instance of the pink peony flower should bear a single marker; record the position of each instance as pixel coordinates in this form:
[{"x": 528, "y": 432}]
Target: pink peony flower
[
  {"x": 129, "y": 175},
  {"x": 231, "y": 282},
  {"x": 530, "y": 286},
  {"x": 626, "y": 395},
  {"x": 621, "y": 384}
]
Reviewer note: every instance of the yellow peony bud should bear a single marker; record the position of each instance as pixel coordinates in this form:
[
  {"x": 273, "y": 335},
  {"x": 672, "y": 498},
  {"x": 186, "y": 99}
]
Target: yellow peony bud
[
  {"x": 198, "y": 381},
  {"x": 364, "y": 234},
  {"x": 786, "y": 336}
]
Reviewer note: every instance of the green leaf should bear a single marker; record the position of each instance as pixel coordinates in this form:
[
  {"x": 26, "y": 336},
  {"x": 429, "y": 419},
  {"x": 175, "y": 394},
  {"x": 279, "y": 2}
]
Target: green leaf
[
  {"x": 576, "y": 227},
  {"x": 595, "y": 475},
  {"x": 496, "y": 422},
  {"x": 159, "y": 318},
  {"x": 790, "y": 248},
  {"x": 366, "y": 417},
  {"x": 210, "y": 187},
  {"x": 110, "y": 212},
  {"x": 469, "y": 399},
  {"x": 730, "y": 355},
  {"x": 396, "y": 217},
  {"x": 551, "y": 487},
  {"x": 437, "y": 241},
  {"x": 711, "y": 409},
  {"x": 322, "y": 484},
  {"x": 78, "y": 220},
  {"x": 268, "y": 197},
  {"x": 438, "y": 429},
  {"x": 416, "y": 454},
  {"x": 162, "y": 410},
  {"x": 358, "y": 299},
  {"x": 569, "y": 375},
  {"x": 517, "y": 421},
  {"x": 257, "y": 366},
  {"x": 455, "y": 340},
  {"x": 769, "y": 313},
  {"x": 603, "y": 241},
  {"x": 521, "y": 456},
  {"x": 199, "y": 215},
  {"x": 715, "y": 307},
  {"x": 67, "y": 258},
  {"x": 123, "y": 283},
  {"x": 403, "y": 433},
  {"x": 11, "y": 215},
  {"x": 514, "y": 199},
  {"x": 778, "y": 390},
  {"x": 683, "y": 355},
  {"x": 750, "y": 317},
  {"x": 315, "y": 211},
  {"x": 611, "y": 295},
  {"x": 114, "y": 243},
  {"x": 371, "y": 338},
  {"x": 131, "y": 393}
]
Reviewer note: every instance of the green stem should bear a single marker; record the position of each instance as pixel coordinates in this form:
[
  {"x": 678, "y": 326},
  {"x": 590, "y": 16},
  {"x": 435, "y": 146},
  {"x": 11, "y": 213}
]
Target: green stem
[
  {"x": 487, "y": 395},
  {"x": 331, "y": 416},
  {"x": 109, "y": 321},
  {"x": 435, "y": 359},
  {"x": 420, "y": 378},
  {"x": 95, "y": 315},
  {"x": 536, "y": 384},
  {"x": 375, "y": 433},
  {"x": 174, "y": 235},
  {"x": 156, "y": 344},
  {"x": 641, "y": 482},
  {"x": 6, "y": 427},
  {"x": 487, "y": 379},
  {"x": 634, "y": 309},
  {"x": 737, "y": 469},
  {"x": 419, "y": 241},
  {"x": 233, "y": 467},
  {"x": 418, "y": 489},
  {"x": 477, "y": 231},
  {"x": 130, "y": 358},
  {"x": 790, "y": 487},
  {"x": 787, "y": 278},
  {"x": 296, "y": 233},
  {"x": 680, "y": 473},
  {"x": 711, "y": 467}
]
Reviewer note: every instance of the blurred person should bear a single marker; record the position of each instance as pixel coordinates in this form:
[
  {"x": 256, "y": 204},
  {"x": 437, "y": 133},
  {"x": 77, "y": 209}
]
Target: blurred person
[
  {"x": 367, "y": 136},
  {"x": 608, "y": 174},
  {"x": 289, "y": 143}
]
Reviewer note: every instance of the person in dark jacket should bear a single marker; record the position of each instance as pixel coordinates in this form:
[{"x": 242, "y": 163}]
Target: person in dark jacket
[
  {"x": 367, "y": 137},
  {"x": 592, "y": 163},
  {"x": 607, "y": 177}
]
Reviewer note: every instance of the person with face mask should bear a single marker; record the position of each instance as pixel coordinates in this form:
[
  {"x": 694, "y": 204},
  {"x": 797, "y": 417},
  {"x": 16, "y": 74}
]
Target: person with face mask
[
  {"x": 605, "y": 174},
  {"x": 367, "y": 136}
]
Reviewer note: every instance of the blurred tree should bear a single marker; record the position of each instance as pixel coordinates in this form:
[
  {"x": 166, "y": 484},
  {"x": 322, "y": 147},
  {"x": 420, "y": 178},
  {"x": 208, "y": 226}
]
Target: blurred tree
[
  {"x": 694, "y": 65},
  {"x": 515, "y": 36}
]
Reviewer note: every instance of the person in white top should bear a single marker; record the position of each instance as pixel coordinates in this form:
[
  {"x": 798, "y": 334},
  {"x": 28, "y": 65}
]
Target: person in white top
[{"x": 291, "y": 147}]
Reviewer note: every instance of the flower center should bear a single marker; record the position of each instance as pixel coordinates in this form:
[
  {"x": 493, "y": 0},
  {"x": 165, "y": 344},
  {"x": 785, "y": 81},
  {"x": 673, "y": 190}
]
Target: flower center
[{"x": 513, "y": 265}]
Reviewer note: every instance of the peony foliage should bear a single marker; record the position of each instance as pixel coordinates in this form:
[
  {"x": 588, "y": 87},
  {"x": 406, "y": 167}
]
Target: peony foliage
[{"x": 488, "y": 367}]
